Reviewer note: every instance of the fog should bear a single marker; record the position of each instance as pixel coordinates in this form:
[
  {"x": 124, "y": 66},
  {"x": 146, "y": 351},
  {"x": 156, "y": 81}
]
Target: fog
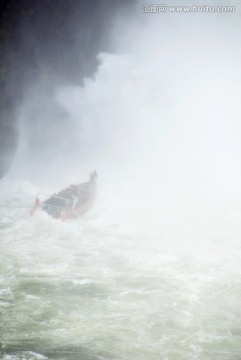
[
  {"x": 152, "y": 270},
  {"x": 160, "y": 117}
]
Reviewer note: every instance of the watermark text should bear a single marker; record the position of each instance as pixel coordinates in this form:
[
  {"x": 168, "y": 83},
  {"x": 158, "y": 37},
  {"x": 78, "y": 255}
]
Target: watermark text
[{"x": 162, "y": 8}]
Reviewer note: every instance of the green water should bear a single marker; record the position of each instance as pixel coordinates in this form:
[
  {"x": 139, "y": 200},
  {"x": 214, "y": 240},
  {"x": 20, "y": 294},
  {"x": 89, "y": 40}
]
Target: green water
[{"x": 108, "y": 287}]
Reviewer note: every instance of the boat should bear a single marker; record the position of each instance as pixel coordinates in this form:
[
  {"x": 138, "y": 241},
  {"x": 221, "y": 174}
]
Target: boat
[{"x": 71, "y": 202}]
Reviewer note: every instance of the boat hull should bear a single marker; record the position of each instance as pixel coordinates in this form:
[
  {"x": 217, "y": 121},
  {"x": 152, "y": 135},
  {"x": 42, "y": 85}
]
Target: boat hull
[{"x": 69, "y": 203}]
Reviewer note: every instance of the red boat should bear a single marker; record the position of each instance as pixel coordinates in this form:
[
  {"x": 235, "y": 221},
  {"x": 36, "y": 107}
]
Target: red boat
[{"x": 71, "y": 202}]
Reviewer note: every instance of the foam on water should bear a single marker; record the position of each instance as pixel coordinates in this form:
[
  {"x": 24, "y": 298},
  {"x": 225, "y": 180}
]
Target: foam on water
[
  {"x": 152, "y": 271},
  {"x": 102, "y": 287}
]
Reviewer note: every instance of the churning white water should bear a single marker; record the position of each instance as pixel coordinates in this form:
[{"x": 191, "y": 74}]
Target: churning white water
[
  {"x": 110, "y": 287},
  {"x": 153, "y": 270}
]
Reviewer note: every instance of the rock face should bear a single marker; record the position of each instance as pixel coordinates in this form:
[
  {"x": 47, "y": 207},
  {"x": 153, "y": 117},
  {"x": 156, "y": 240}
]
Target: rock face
[{"x": 61, "y": 36}]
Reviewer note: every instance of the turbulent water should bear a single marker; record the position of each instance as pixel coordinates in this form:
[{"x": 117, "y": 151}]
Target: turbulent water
[
  {"x": 152, "y": 271},
  {"x": 111, "y": 285}
]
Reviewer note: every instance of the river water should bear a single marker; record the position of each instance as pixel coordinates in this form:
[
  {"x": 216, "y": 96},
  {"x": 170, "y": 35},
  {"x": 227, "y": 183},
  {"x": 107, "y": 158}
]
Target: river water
[
  {"x": 118, "y": 283},
  {"x": 153, "y": 270}
]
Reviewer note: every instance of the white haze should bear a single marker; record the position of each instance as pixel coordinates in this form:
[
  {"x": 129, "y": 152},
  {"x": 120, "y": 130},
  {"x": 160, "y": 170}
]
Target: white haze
[
  {"x": 159, "y": 120},
  {"x": 152, "y": 271}
]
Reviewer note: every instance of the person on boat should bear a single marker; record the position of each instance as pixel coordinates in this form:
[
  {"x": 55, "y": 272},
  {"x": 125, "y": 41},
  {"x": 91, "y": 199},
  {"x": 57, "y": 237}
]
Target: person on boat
[
  {"x": 93, "y": 177},
  {"x": 74, "y": 201}
]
